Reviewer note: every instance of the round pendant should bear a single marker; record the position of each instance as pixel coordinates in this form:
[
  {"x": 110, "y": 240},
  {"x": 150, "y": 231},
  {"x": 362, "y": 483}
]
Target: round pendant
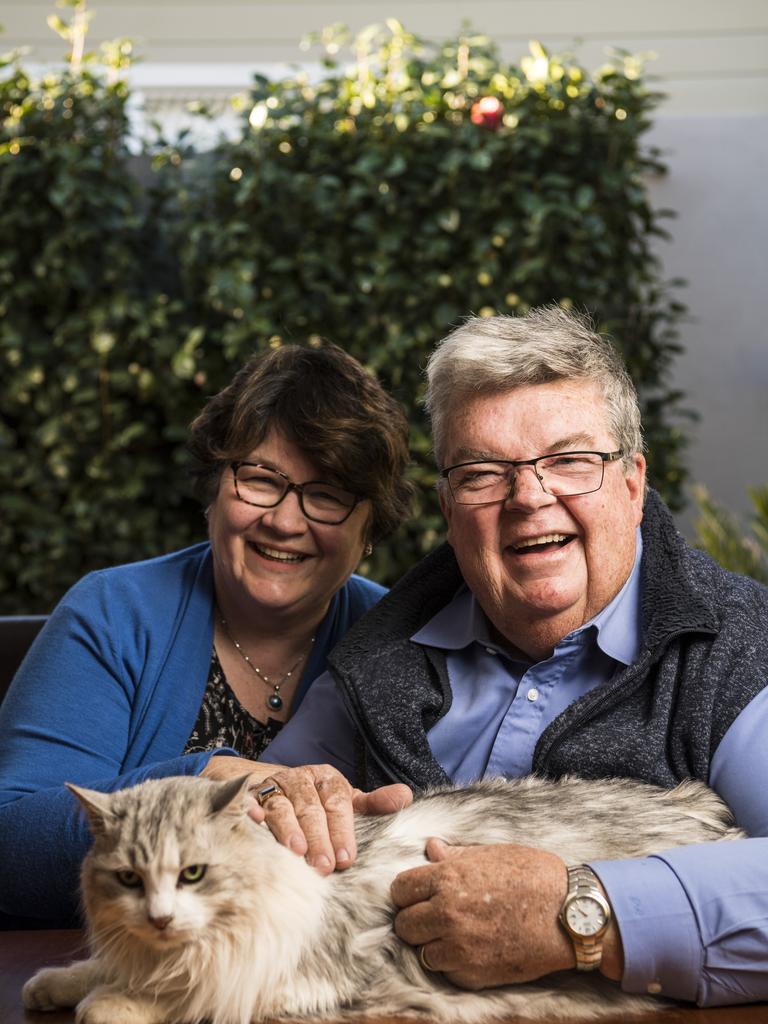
[{"x": 275, "y": 701}]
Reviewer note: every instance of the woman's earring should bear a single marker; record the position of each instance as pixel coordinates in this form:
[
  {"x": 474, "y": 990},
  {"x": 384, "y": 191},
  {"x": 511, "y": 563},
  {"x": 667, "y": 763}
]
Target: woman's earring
[{"x": 368, "y": 550}]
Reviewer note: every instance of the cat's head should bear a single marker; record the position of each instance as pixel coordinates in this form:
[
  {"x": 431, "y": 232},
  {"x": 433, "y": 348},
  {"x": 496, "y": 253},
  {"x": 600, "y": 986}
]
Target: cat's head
[{"x": 168, "y": 857}]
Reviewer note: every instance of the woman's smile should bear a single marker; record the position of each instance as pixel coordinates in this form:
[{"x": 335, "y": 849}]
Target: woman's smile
[{"x": 278, "y": 554}]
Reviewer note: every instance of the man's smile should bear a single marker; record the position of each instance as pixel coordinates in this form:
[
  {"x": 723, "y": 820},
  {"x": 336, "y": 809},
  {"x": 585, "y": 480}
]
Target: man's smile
[{"x": 542, "y": 542}]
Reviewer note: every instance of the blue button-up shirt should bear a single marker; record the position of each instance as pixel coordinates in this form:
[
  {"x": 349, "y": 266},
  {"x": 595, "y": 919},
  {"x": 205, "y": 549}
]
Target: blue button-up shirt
[
  {"x": 503, "y": 701},
  {"x": 694, "y": 920}
]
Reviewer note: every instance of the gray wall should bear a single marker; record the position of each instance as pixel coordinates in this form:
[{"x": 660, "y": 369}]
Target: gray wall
[{"x": 718, "y": 184}]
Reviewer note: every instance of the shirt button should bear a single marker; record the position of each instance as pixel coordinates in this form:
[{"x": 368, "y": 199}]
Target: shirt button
[
  {"x": 489, "y": 650},
  {"x": 654, "y": 987},
  {"x": 533, "y": 694}
]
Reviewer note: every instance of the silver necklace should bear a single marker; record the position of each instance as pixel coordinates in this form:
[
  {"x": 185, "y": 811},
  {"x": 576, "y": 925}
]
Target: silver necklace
[{"x": 274, "y": 700}]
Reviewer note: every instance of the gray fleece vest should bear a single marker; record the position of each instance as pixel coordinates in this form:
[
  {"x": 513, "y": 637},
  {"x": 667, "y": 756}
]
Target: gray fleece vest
[{"x": 703, "y": 656}]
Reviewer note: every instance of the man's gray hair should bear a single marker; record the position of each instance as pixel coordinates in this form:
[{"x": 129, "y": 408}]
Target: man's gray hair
[{"x": 487, "y": 355}]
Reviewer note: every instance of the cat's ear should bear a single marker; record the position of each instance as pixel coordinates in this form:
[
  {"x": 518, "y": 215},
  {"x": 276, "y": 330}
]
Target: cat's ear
[
  {"x": 230, "y": 795},
  {"x": 97, "y": 806}
]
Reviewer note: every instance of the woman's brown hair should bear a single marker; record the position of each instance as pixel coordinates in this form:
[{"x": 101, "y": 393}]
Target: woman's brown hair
[{"x": 330, "y": 407}]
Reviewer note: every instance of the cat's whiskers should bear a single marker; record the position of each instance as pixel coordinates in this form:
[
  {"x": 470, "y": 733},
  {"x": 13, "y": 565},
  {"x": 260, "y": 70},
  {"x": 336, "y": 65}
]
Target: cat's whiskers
[{"x": 105, "y": 936}]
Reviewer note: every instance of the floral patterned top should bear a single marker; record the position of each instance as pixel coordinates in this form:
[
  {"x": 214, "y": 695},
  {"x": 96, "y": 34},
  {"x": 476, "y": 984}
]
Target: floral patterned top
[{"x": 222, "y": 721}]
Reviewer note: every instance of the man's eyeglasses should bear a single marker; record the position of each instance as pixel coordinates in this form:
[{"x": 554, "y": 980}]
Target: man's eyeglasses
[
  {"x": 563, "y": 475},
  {"x": 264, "y": 487}
]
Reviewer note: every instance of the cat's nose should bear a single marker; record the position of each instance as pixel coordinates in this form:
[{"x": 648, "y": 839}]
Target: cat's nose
[{"x": 161, "y": 923}]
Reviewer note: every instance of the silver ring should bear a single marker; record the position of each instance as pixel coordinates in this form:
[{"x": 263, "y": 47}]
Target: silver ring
[
  {"x": 427, "y": 966},
  {"x": 265, "y": 793}
]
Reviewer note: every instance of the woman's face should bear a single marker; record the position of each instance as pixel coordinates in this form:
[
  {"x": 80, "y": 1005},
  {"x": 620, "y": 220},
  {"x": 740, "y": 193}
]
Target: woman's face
[{"x": 274, "y": 562}]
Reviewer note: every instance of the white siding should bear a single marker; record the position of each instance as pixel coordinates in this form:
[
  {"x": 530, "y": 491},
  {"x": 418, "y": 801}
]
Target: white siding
[{"x": 712, "y": 55}]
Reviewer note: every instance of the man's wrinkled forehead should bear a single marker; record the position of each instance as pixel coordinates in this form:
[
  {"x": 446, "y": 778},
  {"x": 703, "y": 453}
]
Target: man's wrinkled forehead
[
  {"x": 526, "y": 421},
  {"x": 582, "y": 440}
]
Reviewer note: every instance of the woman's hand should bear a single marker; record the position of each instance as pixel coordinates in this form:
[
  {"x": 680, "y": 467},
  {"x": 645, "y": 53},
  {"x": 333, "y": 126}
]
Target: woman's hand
[
  {"x": 313, "y": 814},
  {"x": 223, "y": 767}
]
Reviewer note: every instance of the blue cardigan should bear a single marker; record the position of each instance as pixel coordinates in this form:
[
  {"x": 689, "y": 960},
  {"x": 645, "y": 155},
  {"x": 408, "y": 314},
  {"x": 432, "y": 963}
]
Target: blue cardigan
[{"x": 107, "y": 697}]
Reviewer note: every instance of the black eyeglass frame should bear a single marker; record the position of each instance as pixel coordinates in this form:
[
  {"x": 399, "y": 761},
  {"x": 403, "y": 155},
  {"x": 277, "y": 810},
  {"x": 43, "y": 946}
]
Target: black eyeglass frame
[
  {"x": 605, "y": 456},
  {"x": 291, "y": 486}
]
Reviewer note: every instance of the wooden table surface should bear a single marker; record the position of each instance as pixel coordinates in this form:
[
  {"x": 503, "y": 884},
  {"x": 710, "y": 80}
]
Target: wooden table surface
[{"x": 22, "y": 953}]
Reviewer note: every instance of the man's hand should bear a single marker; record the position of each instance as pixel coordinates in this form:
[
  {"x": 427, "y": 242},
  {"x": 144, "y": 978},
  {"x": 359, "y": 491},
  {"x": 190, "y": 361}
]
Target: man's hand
[
  {"x": 313, "y": 816},
  {"x": 488, "y": 915}
]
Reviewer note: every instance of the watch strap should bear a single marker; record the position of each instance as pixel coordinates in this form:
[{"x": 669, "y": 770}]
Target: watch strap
[{"x": 582, "y": 881}]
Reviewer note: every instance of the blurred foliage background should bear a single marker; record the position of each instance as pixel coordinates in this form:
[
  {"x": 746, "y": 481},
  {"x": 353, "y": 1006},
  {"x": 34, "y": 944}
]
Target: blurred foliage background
[
  {"x": 375, "y": 206},
  {"x": 723, "y": 536}
]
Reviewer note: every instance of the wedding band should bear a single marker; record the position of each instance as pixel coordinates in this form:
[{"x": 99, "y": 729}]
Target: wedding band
[
  {"x": 265, "y": 793},
  {"x": 424, "y": 962}
]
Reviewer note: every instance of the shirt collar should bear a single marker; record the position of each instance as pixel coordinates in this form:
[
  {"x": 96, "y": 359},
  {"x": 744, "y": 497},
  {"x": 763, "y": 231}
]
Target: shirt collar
[
  {"x": 618, "y": 624},
  {"x": 457, "y": 625},
  {"x": 617, "y": 627}
]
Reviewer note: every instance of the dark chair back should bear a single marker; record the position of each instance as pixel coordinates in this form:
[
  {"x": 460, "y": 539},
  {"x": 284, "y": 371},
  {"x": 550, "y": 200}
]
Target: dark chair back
[{"x": 16, "y": 634}]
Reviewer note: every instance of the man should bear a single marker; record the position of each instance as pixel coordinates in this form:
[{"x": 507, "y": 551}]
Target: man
[{"x": 565, "y": 628}]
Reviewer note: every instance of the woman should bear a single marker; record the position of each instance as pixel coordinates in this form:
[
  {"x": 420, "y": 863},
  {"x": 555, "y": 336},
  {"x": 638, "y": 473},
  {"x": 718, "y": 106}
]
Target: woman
[{"x": 146, "y": 670}]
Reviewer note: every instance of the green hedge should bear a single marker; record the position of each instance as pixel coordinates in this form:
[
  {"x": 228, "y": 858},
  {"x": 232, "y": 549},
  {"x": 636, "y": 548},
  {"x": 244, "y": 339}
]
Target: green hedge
[{"x": 375, "y": 207}]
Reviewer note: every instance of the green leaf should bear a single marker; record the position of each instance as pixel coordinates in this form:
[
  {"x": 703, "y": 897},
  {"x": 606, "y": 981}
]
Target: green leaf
[{"x": 366, "y": 209}]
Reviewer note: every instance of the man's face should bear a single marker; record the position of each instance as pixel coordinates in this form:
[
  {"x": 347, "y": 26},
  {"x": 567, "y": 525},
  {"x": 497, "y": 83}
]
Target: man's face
[{"x": 536, "y": 594}]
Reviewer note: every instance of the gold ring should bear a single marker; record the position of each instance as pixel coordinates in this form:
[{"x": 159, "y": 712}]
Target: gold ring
[
  {"x": 424, "y": 962},
  {"x": 265, "y": 793}
]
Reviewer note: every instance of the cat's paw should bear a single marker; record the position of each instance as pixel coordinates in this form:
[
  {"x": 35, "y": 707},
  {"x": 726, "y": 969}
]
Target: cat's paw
[
  {"x": 106, "y": 1006},
  {"x": 51, "y": 988}
]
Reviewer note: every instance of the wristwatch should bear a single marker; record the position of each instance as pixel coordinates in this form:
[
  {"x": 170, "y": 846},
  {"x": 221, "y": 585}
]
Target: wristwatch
[{"x": 585, "y": 915}]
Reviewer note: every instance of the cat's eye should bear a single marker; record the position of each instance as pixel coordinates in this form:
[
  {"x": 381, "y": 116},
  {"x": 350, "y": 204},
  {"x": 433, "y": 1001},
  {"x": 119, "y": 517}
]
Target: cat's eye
[
  {"x": 130, "y": 879},
  {"x": 194, "y": 873}
]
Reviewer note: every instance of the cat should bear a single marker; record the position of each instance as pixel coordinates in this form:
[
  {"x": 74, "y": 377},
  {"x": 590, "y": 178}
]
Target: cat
[{"x": 196, "y": 913}]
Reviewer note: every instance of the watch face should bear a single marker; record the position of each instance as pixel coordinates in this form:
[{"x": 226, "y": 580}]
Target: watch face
[{"x": 585, "y": 916}]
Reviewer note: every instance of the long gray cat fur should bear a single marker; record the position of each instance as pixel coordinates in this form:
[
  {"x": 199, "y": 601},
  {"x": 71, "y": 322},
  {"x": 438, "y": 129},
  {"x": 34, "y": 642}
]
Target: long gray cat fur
[{"x": 196, "y": 913}]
